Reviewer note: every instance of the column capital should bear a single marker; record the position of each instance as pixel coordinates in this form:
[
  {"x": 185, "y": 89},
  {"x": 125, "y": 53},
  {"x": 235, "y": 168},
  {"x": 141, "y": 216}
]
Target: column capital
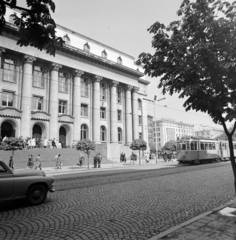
[
  {"x": 114, "y": 83},
  {"x": 136, "y": 89},
  {"x": 78, "y": 72},
  {"x": 97, "y": 78},
  {"x": 129, "y": 87},
  {"x": 2, "y": 50},
  {"x": 56, "y": 66},
  {"x": 29, "y": 59}
]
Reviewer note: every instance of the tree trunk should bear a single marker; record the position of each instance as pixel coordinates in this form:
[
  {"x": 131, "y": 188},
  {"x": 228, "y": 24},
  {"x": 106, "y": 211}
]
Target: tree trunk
[
  {"x": 231, "y": 150},
  {"x": 139, "y": 157},
  {"x": 88, "y": 161}
]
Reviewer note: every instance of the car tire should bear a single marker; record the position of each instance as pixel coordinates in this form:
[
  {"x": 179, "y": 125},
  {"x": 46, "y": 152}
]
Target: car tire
[{"x": 37, "y": 194}]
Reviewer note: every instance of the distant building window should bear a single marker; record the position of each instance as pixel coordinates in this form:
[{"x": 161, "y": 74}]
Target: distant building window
[
  {"x": 119, "y": 115},
  {"x": 102, "y": 91},
  {"x": 66, "y": 39},
  {"x": 63, "y": 82},
  {"x": 103, "y": 113},
  {"x": 119, "y": 135},
  {"x": 62, "y": 108},
  {"x": 86, "y": 47},
  {"x": 119, "y": 95},
  {"x": 103, "y": 134},
  {"x": 119, "y": 60},
  {"x": 84, "y": 131},
  {"x": 84, "y": 110},
  {"x": 84, "y": 87},
  {"x": 104, "y": 54},
  {"x": 38, "y": 79},
  {"x": 7, "y": 99},
  {"x": 140, "y": 135},
  {"x": 139, "y": 104},
  {"x": 37, "y": 103},
  {"x": 140, "y": 120},
  {"x": 9, "y": 70}
]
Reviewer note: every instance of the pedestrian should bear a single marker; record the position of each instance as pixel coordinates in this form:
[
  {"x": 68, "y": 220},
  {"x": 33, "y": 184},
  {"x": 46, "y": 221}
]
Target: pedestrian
[
  {"x": 58, "y": 161},
  {"x": 33, "y": 142},
  {"x": 45, "y": 142},
  {"x": 146, "y": 157},
  {"x": 99, "y": 159},
  {"x": 38, "y": 162},
  {"x": 5, "y": 139},
  {"x": 11, "y": 163},
  {"x": 29, "y": 143},
  {"x": 81, "y": 159},
  {"x": 54, "y": 143},
  {"x": 121, "y": 157},
  {"x": 30, "y": 163},
  {"x": 95, "y": 161}
]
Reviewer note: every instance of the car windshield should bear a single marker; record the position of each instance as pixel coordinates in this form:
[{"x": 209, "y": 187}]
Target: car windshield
[{"x": 2, "y": 169}]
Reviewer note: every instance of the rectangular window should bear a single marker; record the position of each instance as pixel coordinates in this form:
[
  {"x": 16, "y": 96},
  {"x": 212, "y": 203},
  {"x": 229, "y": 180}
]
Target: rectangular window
[
  {"x": 119, "y": 95},
  {"x": 38, "y": 79},
  {"x": 9, "y": 70},
  {"x": 140, "y": 135},
  {"x": 62, "y": 107},
  {"x": 7, "y": 99},
  {"x": 63, "y": 82},
  {"x": 37, "y": 103},
  {"x": 84, "y": 110},
  {"x": 84, "y": 87},
  {"x": 103, "y": 113},
  {"x": 102, "y": 91},
  {"x": 140, "y": 120},
  {"x": 119, "y": 116}
]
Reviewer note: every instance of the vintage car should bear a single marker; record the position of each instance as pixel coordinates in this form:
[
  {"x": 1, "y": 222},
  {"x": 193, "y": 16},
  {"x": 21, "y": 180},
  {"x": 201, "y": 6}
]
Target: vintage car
[{"x": 30, "y": 184}]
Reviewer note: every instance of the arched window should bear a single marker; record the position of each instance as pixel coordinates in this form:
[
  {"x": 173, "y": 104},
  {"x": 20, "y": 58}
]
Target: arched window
[
  {"x": 119, "y": 135},
  {"x": 139, "y": 104},
  {"x": 104, "y": 54},
  {"x": 84, "y": 131},
  {"x": 86, "y": 47},
  {"x": 103, "y": 135},
  {"x": 119, "y": 60},
  {"x": 66, "y": 39}
]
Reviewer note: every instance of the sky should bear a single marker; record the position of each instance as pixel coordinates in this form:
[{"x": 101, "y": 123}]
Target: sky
[{"x": 123, "y": 24}]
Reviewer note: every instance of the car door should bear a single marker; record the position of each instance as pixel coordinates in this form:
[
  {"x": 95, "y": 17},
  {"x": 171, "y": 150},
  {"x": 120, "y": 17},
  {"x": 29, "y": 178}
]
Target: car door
[{"x": 6, "y": 183}]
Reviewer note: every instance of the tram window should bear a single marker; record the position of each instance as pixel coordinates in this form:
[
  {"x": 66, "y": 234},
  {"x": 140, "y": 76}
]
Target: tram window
[
  {"x": 210, "y": 146},
  {"x": 193, "y": 146},
  {"x": 206, "y": 146},
  {"x": 187, "y": 146},
  {"x": 202, "y": 146},
  {"x": 213, "y": 146},
  {"x": 183, "y": 146},
  {"x": 178, "y": 146}
]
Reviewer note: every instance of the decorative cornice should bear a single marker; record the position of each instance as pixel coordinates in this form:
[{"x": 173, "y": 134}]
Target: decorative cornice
[
  {"x": 61, "y": 121},
  {"x": 78, "y": 73},
  {"x": 2, "y": 50},
  {"x": 97, "y": 78},
  {"x": 56, "y": 66},
  {"x": 29, "y": 59},
  {"x": 9, "y": 116},
  {"x": 114, "y": 83},
  {"x": 40, "y": 119},
  {"x": 136, "y": 89},
  {"x": 65, "y": 115},
  {"x": 129, "y": 87},
  {"x": 10, "y": 108},
  {"x": 40, "y": 112}
]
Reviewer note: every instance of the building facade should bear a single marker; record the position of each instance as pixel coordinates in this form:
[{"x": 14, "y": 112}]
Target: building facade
[
  {"x": 87, "y": 91},
  {"x": 166, "y": 129},
  {"x": 209, "y": 132}
]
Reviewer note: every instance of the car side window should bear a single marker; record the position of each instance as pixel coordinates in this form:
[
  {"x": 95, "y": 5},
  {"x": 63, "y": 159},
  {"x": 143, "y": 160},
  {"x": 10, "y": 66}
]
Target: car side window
[{"x": 2, "y": 169}]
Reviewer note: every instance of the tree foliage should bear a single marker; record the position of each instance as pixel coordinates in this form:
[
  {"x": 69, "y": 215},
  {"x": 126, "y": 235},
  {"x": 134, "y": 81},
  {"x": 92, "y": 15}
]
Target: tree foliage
[
  {"x": 36, "y": 27},
  {"x": 140, "y": 145},
  {"x": 86, "y": 146},
  {"x": 169, "y": 149},
  {"x": 196, "y": 58}
]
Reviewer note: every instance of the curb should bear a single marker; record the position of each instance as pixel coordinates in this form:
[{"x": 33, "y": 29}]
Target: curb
[{"x": 169, "y": 231}]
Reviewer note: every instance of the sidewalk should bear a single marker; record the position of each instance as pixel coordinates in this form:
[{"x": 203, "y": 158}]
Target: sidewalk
[{"x": 217, "y": 224}]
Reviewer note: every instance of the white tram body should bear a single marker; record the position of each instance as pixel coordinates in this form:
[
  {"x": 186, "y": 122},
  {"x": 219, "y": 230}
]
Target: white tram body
[{"x": 194, "y": 150}]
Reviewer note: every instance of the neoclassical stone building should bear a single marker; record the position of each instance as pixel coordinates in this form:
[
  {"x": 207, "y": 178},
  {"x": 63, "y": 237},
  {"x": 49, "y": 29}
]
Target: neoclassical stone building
[{"x": 88, "y": 90}]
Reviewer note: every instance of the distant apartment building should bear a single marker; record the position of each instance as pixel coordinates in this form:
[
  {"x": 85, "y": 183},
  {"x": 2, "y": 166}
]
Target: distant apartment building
[
  {"x": 166, "y": 129},
  {"x": 150, "y": 130},
  {"x": 209, "y": 132}
]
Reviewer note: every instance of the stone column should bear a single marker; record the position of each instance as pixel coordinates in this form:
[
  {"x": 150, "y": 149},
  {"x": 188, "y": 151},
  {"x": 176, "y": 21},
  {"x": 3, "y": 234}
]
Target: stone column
[
  {"x": 128, "y": 115},
  {"x": 53, "y": 102},
  {"x": 2, "y": 50},
  {"x": 96, "y": 109},
  {"x": 27, "y": 96},
  {"x": 77, "y": 104},
  {"x": 113, "y": 110},
  {"x": 135, "y": 113}
]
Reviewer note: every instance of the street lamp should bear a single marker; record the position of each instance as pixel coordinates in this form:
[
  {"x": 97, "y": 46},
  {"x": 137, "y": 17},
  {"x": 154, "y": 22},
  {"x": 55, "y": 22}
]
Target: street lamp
[{"x": 156, "y": 100}]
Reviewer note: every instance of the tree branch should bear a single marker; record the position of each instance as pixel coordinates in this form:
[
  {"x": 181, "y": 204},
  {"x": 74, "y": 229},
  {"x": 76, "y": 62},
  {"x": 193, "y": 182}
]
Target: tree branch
[{"x": 224, "y": 125}]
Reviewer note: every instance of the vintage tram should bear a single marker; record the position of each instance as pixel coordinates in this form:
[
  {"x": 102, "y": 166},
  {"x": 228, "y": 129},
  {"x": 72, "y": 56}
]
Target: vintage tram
[{"x": 199, "y": 150}]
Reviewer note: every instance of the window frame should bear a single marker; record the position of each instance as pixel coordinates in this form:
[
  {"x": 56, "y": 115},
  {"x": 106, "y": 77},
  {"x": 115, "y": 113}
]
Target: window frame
[
  {"x": 84, "y": 87},
  {"x": 7, "y": 102},
  {"x": 103, "y": 134},
  {"x": 103, "y": 113},
  {"x": 37, "y": 79},
  {"x": 119, "y": 97},
  {"x": 84, "y": 109},
  {"x": 119, "y": 134},
  {"x": 13, "y": 75},
  {"x": 62, "y": 107},
  {"x": 140, "y": 122},
  {"x": 103, "y": 88},
  {"x": 119, "y": 114},
  {"x": 36, "y": 103},
  {"x": 63, "y": 82},
  {"x": 84, "y": 132}
]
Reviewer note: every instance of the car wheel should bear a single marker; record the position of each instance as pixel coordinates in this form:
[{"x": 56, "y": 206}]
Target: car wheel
[{"x": 37, "y": 194}]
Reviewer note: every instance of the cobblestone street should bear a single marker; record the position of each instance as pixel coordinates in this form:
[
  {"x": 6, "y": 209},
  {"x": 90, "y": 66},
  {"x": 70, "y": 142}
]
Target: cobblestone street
[{"x": 137, "y": 205}]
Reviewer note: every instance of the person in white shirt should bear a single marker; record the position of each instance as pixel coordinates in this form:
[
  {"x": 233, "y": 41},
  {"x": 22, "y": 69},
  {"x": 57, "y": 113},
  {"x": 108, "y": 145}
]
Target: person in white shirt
[{"x": 45, "y": 143}]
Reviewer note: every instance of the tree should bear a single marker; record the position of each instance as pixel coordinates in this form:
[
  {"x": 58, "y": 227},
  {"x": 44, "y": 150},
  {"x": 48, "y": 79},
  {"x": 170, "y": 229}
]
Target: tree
[
  {"x": 169, "y": 149},
  {"x": 36, "y": 27},
  {"x": 223, "y": 136},
  {"x": 12, "y": 144},
  {"x": 138, "y": 144},
  {"x": 196, "y": 58},
  {"x": 86, "y": 146}
]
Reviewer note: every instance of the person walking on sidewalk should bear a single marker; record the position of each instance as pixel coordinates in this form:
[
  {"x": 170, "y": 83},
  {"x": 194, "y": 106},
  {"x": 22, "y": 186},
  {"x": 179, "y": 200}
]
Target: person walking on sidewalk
[
  {"x": 11, "y": 163},
  {"x": 38, "y": 163},
  {"x": 54, "y": 143},
  {"x": 30, "y": 163},
  {"x": 58, "y": 161},
  {"x": 99, "y": 159}
]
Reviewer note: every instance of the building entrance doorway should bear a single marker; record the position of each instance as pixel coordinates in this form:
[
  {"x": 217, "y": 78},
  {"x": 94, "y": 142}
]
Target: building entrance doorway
[
  {"x": 37, "y": 132},
  {"x": 7, "y": 130},
  {"x": 62, "y": 137}
]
